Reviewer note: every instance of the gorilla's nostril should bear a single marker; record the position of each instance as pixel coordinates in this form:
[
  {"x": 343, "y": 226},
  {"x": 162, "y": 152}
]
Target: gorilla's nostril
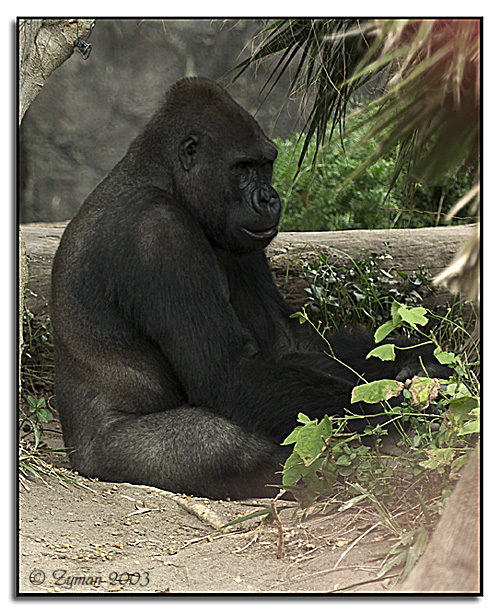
[
  {"x": 259, "y": 201},
  {"x": 265, "y": 200},
  {"x": 264, "y": 195}
]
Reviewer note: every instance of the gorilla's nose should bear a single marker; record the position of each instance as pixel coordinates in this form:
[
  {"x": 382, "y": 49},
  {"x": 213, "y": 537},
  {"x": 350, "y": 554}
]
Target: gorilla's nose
[{"x": 265, "y": 201}]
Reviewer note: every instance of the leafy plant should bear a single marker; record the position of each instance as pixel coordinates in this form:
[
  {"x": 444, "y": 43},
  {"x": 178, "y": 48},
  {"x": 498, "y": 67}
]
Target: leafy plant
[
  {"x": 37, "y": 357},
  {"x": 431, "y": 108},
  {"x": 425, "y": 72},
  {"x": 362, "y": 291},
  {"x": 439, "y": 424},
  {"x": 31, "y": 419},
  {"x": 37, "y": 389},
  {"x": 32, "y": 454},
  {"x": 37, "y": 335},
  {"x": 321, "y": 55}
]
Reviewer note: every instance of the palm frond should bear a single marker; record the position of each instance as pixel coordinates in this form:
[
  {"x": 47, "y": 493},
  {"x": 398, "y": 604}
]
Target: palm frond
[
  {"x": 320, "y": 56},
  {"x": 431, "y": 105},
  {"x": 433, "y": 95}
]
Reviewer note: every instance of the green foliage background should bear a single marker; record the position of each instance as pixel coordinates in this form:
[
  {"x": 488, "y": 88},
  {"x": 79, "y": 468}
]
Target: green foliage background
[{"x": 312, "y": 201}]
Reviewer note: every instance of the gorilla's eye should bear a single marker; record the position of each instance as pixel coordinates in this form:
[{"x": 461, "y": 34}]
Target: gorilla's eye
[{"x": 244, "y": 165}]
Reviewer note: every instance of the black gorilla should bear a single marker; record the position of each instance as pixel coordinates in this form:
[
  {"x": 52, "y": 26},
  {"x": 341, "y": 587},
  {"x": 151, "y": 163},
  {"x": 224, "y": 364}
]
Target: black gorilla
[{"x": 177, "y": 364}]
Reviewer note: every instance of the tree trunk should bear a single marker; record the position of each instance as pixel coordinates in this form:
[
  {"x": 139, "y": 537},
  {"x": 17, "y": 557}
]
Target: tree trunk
[
  {"x": 44, "y": 44},
  {"x": 451, "y": 562}
]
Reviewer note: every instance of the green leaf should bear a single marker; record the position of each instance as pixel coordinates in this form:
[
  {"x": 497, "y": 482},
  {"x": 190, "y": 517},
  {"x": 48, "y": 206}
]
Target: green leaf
[
  {"x": 36, "y": 432},
  {"x": 346, "y": 471},
  {"x": 376, "y": 391},
  {"x": 292, "y": 470},
  {"x": 32, "y": 401},
  {"x": 44, "y": 415},
  {"x": 472, "y": 427},
  {"x": 458, "y": 390},
  {"x": 311, "y": 439},
  {"x": 343, "y": 460},
  {"x": 395, "y": 306},
  {"x": 248, "y": 517},
  {"x": 415, "y": 316},
  {"x": 457, "y": 464},
  {"x": 444, "y": 357},
  {"x": 292, "y": 437},
  {"x": 393, "y": 561},
  {"x": 438, "y": 459},
  {"x": 383, "y": 352},
  {"x": 352, "y": 502},
  {"x": 384, "y": 330},
  {"x": 35, "y": 404},
  {"x": 460, "y": 408},
  {"x": 301, "y": 316},
  {"x": 303, "y": 419},
  {"x": 416, "y": 549}
]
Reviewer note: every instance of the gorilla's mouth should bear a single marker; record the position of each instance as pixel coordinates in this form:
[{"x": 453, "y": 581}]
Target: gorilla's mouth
[{"x": 264, "y": 234}]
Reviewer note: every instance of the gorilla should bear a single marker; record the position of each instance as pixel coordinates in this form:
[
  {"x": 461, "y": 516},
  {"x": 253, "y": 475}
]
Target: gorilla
[{"x": 177, "y": 362}]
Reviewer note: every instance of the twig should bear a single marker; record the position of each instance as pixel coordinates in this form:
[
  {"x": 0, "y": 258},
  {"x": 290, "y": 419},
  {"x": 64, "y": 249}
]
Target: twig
[
  {"x": 376, "y": 580},
  {"x": 354, "y": 543},
  {"x": 202, "y": 512},
  {"x": 280, "y": 548},
  {"x": 254, "y": 539}
]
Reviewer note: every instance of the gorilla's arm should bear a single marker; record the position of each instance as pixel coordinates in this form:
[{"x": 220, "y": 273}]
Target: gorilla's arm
[{"x": 223, "y": 365}]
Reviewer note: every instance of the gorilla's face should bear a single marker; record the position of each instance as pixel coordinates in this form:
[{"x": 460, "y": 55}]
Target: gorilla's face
[
  {"x": 227, "y": 175},
  {"x": 255, "y": 207}
]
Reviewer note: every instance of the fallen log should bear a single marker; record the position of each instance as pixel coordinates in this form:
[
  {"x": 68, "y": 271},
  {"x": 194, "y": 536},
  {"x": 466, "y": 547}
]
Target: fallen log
[{"x": 433, "y": 248}]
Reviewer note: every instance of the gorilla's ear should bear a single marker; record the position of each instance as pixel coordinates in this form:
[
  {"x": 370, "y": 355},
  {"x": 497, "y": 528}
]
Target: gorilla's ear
[{"x": 187, "y": 152}]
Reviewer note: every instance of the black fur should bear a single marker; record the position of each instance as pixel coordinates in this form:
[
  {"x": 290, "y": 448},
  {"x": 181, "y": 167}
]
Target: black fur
[{"x": 177, "y": 364}]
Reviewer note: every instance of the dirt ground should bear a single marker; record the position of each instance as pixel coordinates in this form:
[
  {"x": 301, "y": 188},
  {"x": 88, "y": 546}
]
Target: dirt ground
[{"x": 116, "y": 537}]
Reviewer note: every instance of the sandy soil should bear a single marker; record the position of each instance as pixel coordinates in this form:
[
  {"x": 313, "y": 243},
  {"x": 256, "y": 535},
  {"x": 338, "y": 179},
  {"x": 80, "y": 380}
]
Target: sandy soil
[{"x": 116, "y": 537}]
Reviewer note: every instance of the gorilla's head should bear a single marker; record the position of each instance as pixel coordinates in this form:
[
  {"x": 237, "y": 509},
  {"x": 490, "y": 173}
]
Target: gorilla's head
[{"x": 218, "y": 164}]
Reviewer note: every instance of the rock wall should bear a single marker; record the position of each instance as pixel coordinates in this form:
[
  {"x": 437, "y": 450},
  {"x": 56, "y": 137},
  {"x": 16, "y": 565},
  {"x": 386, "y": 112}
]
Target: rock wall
[{"x": 88, "y": 111}]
